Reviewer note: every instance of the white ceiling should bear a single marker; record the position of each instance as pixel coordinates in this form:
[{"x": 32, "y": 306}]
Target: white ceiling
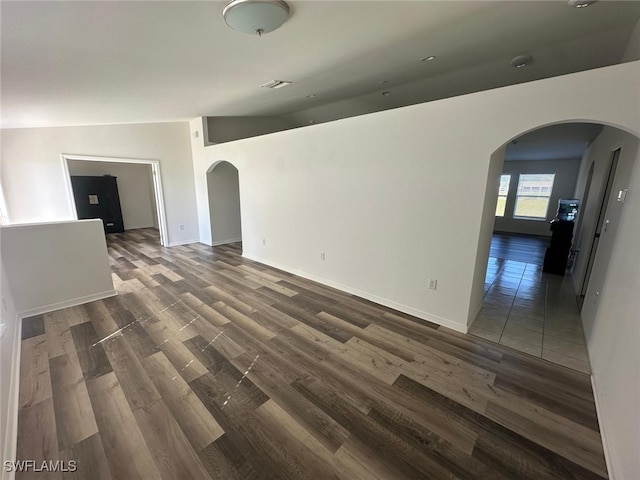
[
  {"x": 85, "y": 63},
  {"x": 555, "y": 142}
]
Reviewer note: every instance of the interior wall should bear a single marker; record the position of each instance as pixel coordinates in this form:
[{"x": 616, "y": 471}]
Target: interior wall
[
  {"x": 50, "y": 265},
  {"x": 611, "y": 306},
  {"x": 8, "y": 368},
  {"x": 599, "y": 154},
  {"x": 135, "y": 188},
  {"x": 564, "y": 185},
  {"x": 35, "y": 183},
  {"x": 227, "y": 129},
  {"x": 632, "y": 51},
  {"x": 397, "y": 197},
  {"x": 496, "y": 163},
  {"x": 374, "y": 193},
  {"x": 224, "y": 204}
]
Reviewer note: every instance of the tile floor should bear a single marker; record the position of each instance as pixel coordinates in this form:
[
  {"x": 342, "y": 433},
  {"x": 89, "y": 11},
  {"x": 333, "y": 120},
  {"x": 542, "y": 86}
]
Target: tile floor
[{"x": 533, "y": 312}]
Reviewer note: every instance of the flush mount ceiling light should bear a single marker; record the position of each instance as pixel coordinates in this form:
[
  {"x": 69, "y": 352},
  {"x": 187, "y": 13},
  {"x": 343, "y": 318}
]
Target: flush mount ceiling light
[
  {"x": 521, "y": 61},
  {"x": 256, "y": 16},
  {"x": 581, "y": 3},
  {"x": 428, "y": 59}
]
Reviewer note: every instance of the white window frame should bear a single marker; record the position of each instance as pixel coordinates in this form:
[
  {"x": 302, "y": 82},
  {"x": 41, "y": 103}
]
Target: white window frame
[{"x": 520, "y": 195}]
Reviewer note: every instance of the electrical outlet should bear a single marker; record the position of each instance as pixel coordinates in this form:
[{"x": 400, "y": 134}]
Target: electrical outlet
[
  {"x": 433, "y": 284},
  {"x": 181, "y": 227},
  {"x": 264, "y": 241},
  {"x": 322, "y": 256}
]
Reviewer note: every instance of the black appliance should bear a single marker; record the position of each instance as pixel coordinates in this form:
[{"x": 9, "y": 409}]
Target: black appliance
[
  {"x": 559, "y": 250},
  {"x": 97, "y": 197}
]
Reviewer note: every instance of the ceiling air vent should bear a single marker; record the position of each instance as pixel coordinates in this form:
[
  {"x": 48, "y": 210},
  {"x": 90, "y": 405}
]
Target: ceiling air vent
[{"x": 275, "y": 84}]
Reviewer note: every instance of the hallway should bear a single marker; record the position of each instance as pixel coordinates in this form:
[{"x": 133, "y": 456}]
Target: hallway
[{"x": 531, "y": 311}]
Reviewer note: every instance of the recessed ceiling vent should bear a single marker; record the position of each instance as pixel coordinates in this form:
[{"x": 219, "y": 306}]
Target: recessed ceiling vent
[
  {"x": 275, "y": 84},
  {"x": 581, "y": 3}
]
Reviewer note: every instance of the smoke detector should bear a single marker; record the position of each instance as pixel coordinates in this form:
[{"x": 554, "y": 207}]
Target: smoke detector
[{"x": 521, "y": 61}]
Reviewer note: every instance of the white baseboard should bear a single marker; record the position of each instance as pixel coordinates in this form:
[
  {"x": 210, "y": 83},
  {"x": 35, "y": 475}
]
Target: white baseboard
[
  {"x": 475, "y": 316},
  {"x": 11, "y": 435},
  {"x": 224, "y": 242},
  {"x": 603, "y": 432},
  {"x": 459, "y": 327},
  {"x": 67, "y": 303},
  {"x": 182, "y": 242}
]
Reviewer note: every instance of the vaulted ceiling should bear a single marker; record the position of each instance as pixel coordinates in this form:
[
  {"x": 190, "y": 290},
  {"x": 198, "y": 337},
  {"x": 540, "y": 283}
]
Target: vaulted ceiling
[{"x": 85, "y": 63}]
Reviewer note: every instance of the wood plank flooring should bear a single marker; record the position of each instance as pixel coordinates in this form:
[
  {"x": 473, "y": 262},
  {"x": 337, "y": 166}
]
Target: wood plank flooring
[
  {"x": 211, "y": 366},
  {"x": 519, "y": 247}
]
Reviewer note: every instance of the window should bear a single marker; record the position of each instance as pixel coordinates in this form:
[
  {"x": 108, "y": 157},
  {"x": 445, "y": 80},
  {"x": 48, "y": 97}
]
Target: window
[
  {"x": 505, "y": 180},
  {"x": 532, "y": 197}
]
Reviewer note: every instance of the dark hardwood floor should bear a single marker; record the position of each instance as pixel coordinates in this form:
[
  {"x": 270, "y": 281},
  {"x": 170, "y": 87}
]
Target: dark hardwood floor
[
  {"x": 208, "y": 365},
  {"x": 521, "y": 248}
]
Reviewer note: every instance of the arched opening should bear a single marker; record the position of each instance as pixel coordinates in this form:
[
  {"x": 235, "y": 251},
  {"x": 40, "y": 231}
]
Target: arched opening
[
  {"x": 528, "y": 303},
  {"x": 223, "y": 189}
]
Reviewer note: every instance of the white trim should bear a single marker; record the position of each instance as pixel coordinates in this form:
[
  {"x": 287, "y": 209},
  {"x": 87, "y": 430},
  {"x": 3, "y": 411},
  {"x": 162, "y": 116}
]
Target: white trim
[
  {"x": 475, "y": 316},
  {"x": 11, "y": 435},
  {"x": 603, "y": 433},
  {"x": 224, "y": 242},
  {"x": 458, "y": 327},
  {"x": 157, "y": 186},
  {"x": 67, "y": 303},
  {"x": 182, "y": 242},
  {"x": 4, "y": 215}
]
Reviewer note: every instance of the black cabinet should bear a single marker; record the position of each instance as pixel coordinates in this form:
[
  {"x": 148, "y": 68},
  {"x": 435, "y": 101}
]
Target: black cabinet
[
  {"x": 557, "y": 255},
  {"x": 97, "y": 197}
]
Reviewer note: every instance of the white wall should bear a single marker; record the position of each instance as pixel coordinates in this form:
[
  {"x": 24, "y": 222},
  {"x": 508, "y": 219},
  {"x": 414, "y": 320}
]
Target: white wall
[
  {"x": 9, "y": 360},
  {"x": 601, "y": 160},
  {"x": 54, "y": 265},
  {"x": 224, "y": 204},
  {"x": 34, "y": 179},
  {"x": 397, "y": 197},
  {"x": 485, "y": 234},
  {"x": 227, "y": 129},
  {"x": 135, "y": 189},
  {"x": 632, "y": 51},
  {"x": 610, "y": 313},
  {"x": 375, "y": 192},
  {"x": 564, "y": 184}
]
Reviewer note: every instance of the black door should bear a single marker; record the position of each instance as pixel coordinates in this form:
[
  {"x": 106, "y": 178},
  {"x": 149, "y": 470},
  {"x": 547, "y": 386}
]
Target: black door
[{"x": 97, "y": 197}]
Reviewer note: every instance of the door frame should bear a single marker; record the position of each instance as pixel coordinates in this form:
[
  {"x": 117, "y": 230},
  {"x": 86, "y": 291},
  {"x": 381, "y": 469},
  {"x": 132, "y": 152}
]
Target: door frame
[
  {"x": 600, "y": 218},
  {"x": 157, "y": 185}
]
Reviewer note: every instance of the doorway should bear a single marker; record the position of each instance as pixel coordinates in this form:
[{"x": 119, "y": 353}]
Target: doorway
[
  {"x": 523, "y": 307},
  {"x": 601, "y": 223},
  {"x": 146, "y": 205},
  {"x": 223, "y": 187}
]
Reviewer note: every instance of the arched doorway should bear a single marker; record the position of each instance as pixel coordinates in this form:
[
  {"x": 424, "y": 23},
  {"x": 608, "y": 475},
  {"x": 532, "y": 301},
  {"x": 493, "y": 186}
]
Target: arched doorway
[
  {"x": 223, "y": 189},
  {"x": 524, "y": 306}
]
